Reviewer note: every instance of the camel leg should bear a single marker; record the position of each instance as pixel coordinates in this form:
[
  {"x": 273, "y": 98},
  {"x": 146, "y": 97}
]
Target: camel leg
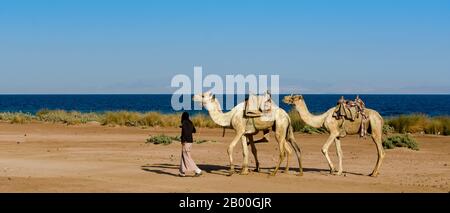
[
  {"x": 244, "y": 170},
  {"x": 230, "y": 151},
  {"x": 254, "y": 152},
  {"x": 325, "y": 150},
  {"x": 300, "y": 167},
  {"x": 281, "y": 142},
  {"x": 266, "y": 135},
  {"x": 287, "y": 154},
  {"x": 298, "y": 151},
  {"x": 339, "y": 154},
  {"x": 376, "y": 137}
]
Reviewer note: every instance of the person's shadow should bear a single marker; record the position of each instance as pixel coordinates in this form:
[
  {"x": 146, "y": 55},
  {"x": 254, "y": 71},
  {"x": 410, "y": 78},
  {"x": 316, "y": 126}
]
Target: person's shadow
[
  {"x": 162, "y": 169},
  {"x": 220, "y": 170}
]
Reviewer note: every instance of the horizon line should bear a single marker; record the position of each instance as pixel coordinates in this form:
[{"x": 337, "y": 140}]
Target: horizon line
[{"x": 224, "y": 94}]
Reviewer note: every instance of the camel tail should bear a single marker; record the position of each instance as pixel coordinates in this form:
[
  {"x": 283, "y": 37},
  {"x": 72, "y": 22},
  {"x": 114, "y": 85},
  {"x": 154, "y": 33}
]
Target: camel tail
[{"x": 291, "y": 139}]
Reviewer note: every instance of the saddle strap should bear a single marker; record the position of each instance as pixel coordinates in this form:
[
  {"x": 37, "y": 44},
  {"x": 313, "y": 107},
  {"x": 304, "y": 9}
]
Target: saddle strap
[{"x": 254, "y": 125}]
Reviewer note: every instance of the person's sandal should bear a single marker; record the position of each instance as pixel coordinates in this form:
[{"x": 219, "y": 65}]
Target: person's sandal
[
  {"x": 181, "y": 175},
  {"x": 198, "y": 174}
]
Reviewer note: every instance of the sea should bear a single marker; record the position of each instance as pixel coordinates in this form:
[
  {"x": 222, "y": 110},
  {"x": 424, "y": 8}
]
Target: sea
[{"x": 387, "y": 105}]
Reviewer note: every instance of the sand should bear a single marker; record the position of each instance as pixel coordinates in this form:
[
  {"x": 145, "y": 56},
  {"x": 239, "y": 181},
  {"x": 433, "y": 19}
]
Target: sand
[{"x": 40, "y": 157}]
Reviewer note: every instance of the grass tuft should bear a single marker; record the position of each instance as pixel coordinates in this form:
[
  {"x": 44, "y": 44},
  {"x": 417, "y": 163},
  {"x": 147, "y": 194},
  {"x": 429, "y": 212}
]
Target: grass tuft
[
  {"x": 419, "y": 123},
  {"x": 166, "y": 140},
  {"x": 16, "y": 117},
  {"x": 66, "y": 117},
  {"x": 161, "y": 139},
  {"x": 400, "y": 140}
]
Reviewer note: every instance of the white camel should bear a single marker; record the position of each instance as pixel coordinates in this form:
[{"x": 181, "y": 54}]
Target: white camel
[
  {"x": 337, "y": 127},
  {"x": 235, "y": 119}
]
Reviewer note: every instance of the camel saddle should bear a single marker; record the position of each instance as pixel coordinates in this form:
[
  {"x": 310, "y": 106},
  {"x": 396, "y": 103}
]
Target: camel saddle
[
  {"x": 258, "y": 112},
  {"x": 352, "y": 111},
  {"x": 257, "y": 106}
]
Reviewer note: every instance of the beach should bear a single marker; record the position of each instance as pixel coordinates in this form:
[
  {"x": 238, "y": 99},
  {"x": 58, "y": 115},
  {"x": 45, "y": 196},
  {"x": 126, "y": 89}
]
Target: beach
[{"x": 47, "y": 157}]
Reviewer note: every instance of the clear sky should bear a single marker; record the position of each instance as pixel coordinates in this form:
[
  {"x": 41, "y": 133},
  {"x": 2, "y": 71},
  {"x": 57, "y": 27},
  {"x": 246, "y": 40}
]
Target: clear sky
[{"x": 129, "y": 46}]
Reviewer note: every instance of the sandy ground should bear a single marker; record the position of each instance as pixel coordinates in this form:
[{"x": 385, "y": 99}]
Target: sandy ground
[{"x": 91, "y": 158}]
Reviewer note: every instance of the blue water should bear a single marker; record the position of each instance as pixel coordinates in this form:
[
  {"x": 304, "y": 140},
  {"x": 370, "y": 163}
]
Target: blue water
[{"x": 387, "y": 105}]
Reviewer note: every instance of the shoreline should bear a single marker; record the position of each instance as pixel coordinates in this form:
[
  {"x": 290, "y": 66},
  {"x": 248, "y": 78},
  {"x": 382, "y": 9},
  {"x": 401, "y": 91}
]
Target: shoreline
[
  {"x": 410, "y": 123},
  {"x": 97, "y": 124}
]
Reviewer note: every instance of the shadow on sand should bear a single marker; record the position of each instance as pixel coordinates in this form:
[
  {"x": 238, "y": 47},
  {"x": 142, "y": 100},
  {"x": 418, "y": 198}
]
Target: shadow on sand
[
  {"x": 172, "y": 169},
  {"x": 327, "y": 171}
]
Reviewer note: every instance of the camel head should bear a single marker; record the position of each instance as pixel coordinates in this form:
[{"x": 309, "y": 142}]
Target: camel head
[
  {"x": 204, "y": 98},
  {"x": 292, "y": 99}
]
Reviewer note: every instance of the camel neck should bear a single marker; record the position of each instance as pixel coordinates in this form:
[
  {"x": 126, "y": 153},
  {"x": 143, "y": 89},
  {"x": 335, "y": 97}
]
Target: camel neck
[
  {"x": 315, "y": 121},
  {"x": 216, "y": 114}
]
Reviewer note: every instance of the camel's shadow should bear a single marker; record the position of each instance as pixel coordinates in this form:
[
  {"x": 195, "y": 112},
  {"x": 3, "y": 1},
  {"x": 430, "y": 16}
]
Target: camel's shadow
[
  {"x": 223, "y": 170},
  {"x": 327, "y": 171}
]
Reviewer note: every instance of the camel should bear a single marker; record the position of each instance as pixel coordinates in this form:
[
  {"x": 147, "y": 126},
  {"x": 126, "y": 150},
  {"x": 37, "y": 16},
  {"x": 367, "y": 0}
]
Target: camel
[
  {"x": 337, "y": 127},
  {"x": 236, "y": 120}
]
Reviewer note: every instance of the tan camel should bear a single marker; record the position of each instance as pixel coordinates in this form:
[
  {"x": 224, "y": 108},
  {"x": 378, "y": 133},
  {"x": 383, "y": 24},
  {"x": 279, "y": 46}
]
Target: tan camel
[
  {"x": 236, "y": 120},
  {"x": 337, "y": 127}
]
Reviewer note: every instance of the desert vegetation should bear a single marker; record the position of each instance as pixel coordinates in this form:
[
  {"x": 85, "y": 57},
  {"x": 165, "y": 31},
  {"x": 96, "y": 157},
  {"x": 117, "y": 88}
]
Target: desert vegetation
[
  {"x": 414, "y": 123},
  {"x": 166, "y": 140},
  {"x": 112, "y": 118},
  {"x": 16, "y": 117},
  {"x": 400, "y": 140},
  {"x": 419, "y": 123}
]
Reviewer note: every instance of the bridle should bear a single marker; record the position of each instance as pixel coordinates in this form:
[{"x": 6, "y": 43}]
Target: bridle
[{"x": 203, "y": 101}]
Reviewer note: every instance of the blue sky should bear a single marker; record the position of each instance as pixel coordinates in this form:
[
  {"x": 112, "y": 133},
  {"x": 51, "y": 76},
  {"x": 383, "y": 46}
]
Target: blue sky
[{"x": 79, "y": 46}]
